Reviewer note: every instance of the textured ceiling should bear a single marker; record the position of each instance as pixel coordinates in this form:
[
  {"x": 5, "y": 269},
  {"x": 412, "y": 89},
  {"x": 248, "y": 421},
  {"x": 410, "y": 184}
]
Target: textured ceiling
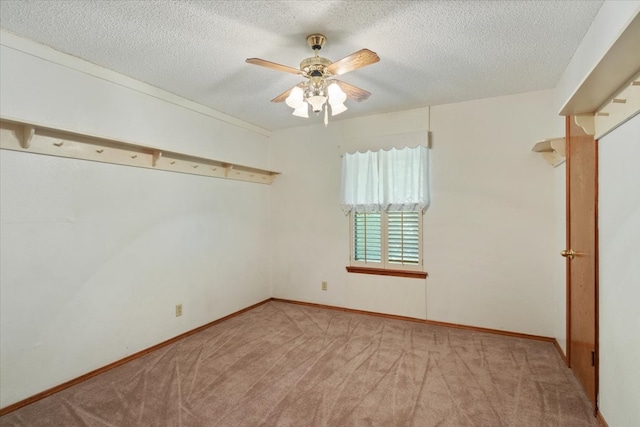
[{"x": 431, "y": 53}]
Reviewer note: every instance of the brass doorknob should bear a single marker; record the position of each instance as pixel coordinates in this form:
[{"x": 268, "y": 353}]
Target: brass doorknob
[{"x": 568, "y": 253}]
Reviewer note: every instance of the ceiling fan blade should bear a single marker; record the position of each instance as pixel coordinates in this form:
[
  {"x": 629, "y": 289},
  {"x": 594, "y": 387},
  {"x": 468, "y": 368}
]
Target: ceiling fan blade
[
  {"x": 353, "y": 92},
  {"x": 283, "y": 96},
  {"x": 356, "y": 60},
  {"x": 273, "y": 65}
]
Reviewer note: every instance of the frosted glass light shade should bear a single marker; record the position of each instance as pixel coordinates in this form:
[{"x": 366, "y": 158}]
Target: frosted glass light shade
[
  {"x": 317, "y": 101},
  {"x": 337, "y": 109},
  {"x": 336, "y": 95},
  {"x": 295, "y": 100},
  {"x": 302, "y": 110}
]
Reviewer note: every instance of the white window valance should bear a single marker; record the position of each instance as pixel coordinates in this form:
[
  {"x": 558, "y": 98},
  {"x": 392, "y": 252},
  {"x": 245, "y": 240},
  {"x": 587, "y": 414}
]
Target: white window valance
[{"x": 393, "y": 180}]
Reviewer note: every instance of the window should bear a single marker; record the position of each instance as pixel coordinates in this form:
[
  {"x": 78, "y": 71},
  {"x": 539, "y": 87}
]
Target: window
[
  {"x": 385, "y": 194},
  {"x": 390, "y": 240}
]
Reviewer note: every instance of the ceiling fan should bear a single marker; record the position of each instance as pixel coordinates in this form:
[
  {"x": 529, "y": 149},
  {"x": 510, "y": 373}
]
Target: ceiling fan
[{"x": 320, "y": 87}]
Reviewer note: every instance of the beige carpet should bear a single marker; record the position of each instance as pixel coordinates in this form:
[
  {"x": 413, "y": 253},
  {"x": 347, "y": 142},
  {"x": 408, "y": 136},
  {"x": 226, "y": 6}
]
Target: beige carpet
[{"x": 283, "y": 364}]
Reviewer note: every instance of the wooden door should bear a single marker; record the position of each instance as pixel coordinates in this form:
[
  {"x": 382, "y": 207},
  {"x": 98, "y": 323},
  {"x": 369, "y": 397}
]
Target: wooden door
[{"x": 582, "y": 173}]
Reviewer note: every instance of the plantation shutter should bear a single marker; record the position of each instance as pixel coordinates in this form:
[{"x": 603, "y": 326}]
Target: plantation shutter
[
  {"x": 367, "y": 236},
  {"x": 403, "y": 237}
]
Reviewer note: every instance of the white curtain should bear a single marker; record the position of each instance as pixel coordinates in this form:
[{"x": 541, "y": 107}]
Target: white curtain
[
  {"x": 360, "y": 182},
  {"x": 393, "y": 180}
]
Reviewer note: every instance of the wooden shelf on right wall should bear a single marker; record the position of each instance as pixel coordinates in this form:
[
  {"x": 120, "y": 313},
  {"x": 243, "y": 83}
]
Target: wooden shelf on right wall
[{"x": 552, "y": 150}]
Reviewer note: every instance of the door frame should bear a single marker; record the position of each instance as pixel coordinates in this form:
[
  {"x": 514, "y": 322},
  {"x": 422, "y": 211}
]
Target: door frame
[{"x": 585, "y": 122}]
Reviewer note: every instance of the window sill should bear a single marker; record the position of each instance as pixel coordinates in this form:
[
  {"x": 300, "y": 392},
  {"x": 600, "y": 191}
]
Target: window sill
[{"x": 384, "y": 272}]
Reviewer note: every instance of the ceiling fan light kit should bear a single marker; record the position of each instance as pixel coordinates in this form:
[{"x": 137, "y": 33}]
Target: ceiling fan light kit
[
  {"x": 337, "y": 109},
  {"x": 295, "y": 98},
  {"x": 302, "y": 110},
  {"x": 321, "y": 90}
]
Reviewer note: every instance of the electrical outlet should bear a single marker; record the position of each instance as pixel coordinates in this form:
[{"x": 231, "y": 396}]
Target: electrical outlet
[
  {"x": 324, "y": 286},
  {"x": 178, "y": 310}
]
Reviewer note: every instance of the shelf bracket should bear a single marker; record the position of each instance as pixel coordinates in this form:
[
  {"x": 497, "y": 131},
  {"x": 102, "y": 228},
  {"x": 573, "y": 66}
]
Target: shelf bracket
[
  {"x": 552, "y": 149},
  {"x": 587, "y": 123},
  {"x": 27, "y": 136},
  {"x": 157, "y": 154}
]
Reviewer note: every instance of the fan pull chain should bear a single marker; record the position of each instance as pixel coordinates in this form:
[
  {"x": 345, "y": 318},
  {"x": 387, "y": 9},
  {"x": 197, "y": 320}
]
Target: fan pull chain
[{"x": 326, "y": 115}]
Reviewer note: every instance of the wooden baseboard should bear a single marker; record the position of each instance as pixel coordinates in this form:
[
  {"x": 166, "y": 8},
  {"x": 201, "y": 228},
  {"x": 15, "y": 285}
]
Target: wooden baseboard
[
  {"x": 428, "y": 322},
  {"x": 601, "y": 419},
  {"x": 560, "y": 352},
  {"x": 60, "y": 387}
]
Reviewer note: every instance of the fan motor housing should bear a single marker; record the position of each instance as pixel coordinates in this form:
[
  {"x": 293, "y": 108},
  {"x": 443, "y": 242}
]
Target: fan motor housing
[{"x": 315, "y": 66}]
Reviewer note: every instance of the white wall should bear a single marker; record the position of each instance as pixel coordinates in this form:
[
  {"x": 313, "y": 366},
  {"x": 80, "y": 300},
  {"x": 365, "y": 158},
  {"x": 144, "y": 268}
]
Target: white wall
[
  {"x": 489, "y": 233},
  {"x": 619, "y": 274},
  {"x": 310, "y": 241},
  {"x": 95, "y": 256},
  {"x": 48, "y": 93}
]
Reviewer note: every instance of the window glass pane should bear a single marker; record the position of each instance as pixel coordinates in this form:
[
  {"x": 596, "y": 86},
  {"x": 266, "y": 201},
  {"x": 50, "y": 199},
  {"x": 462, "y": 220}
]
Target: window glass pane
[{"x": 367, "y": 236}]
